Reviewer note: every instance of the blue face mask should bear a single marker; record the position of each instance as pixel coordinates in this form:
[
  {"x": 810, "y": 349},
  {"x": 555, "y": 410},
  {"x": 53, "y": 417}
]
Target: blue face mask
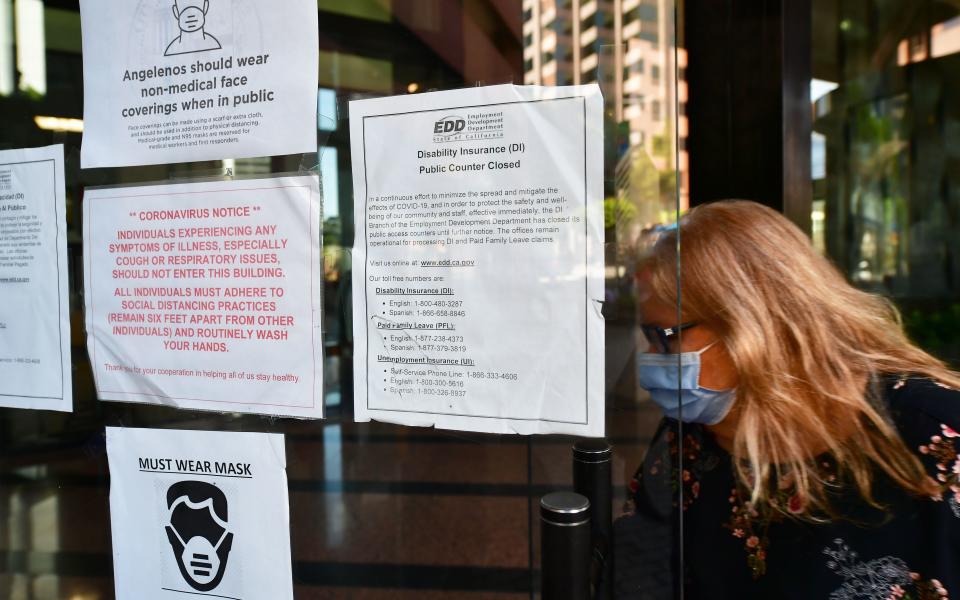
[{"x": 673, "y": 380}]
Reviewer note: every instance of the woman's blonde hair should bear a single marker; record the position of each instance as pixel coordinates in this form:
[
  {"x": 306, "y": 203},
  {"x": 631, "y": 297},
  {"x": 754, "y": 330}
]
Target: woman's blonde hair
[{"x": 805, "y": 344}]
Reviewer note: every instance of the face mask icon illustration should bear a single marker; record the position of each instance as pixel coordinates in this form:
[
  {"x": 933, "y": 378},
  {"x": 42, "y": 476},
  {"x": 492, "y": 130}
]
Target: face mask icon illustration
[
  {"x": 198, "y": 532},
  {"x": 191, "y": 16}
]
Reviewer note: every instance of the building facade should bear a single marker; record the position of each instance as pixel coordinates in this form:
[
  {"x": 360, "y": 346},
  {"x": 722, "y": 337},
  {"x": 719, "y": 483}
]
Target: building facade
[{"x": 629, "y": 48}]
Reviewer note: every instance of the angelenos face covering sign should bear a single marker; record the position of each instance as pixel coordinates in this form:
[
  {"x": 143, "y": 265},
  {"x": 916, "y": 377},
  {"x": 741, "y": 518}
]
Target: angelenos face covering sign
[{"x": 169, "y": 81}]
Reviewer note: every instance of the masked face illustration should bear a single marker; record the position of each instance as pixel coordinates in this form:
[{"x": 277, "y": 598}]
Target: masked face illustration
[
  {"x": 198, "y": 532},
  {"x": 191, "y": 18},
  {"x": 190, "y": 14}
]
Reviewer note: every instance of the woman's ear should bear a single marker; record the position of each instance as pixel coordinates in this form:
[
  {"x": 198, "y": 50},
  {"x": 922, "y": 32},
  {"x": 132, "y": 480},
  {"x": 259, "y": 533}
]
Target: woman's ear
[{"x": 644, "y": 277}]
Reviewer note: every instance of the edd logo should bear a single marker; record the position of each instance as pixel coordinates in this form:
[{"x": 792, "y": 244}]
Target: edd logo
[{"x": 449, "y": 126}]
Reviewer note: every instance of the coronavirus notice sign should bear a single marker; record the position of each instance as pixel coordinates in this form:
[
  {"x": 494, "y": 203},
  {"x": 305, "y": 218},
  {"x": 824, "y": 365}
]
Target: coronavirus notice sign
[
  {"x": 199, "y": 513},
  {"x": 171, "y": 81},
  {"x": 207, "y": 295}
]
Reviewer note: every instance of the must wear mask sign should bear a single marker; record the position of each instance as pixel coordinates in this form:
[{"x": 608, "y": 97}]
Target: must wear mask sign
[{"x": 194, "y": 513}]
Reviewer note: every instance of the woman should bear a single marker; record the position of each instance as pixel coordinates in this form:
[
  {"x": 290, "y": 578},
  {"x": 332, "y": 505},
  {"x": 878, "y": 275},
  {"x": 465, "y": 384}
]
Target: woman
[{"x": 819, "y": 455}]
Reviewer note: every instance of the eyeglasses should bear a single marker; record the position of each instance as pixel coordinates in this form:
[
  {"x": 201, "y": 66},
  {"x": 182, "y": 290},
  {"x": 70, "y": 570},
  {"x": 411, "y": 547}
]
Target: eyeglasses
[{"x": 665, "y": 340}]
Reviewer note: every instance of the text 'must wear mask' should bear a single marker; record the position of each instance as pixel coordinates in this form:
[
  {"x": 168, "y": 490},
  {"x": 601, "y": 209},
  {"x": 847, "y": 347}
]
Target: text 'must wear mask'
[
  {"x": 198, "y": 532},
  {"x": 673, "y": 380}
]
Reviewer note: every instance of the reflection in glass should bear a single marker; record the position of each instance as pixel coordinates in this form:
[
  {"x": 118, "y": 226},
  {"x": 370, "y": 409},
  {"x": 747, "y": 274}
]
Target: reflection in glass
[
  {"x": 31, "y": 47},
  {"x": 7, "y": 80},
  {"x": 889, "y": 132}
]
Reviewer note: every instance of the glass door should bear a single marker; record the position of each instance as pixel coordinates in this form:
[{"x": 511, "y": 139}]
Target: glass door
[{"x": 377, "y": 510}]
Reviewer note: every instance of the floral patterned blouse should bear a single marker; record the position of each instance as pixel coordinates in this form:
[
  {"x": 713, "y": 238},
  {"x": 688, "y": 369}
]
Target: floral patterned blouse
[{"x": 910, "y": 551}]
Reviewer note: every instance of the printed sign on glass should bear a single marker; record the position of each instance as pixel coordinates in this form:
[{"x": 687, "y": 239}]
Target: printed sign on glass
[
  {"x": 195, "y": 513},
  {"x": 207, "y": 295},
  {"x": 169, "y": 81},
  {"x": 478, "y": 259},
  {"x": 34, "y": 295}
]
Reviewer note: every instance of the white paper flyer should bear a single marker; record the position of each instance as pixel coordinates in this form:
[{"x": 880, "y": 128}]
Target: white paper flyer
[
  {"x": 207, "y": 295},
  {"x": 34, "y": 295},
  {"x": 199, "y": 514},
  {"x": 478, "y": 261},
  {"x": 169, "y": 81}
]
